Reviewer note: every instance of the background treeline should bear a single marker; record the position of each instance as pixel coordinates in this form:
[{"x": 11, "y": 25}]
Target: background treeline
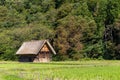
[{"x": 77, "y": 29}]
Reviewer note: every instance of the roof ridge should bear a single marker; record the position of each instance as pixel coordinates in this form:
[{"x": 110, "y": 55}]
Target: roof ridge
[{"x": 34, "y": 41}]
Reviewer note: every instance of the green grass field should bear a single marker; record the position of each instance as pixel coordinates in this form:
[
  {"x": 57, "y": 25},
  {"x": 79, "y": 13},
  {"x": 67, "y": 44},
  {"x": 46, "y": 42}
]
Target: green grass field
[{"x": 74, "y": 70}]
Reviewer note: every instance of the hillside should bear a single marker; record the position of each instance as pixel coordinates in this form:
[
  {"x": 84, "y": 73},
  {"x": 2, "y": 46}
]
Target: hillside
[{"x": 77, "y": 29}]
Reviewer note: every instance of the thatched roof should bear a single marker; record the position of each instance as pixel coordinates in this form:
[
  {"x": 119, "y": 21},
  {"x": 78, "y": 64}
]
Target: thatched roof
[{"x": 33, "y": 47}]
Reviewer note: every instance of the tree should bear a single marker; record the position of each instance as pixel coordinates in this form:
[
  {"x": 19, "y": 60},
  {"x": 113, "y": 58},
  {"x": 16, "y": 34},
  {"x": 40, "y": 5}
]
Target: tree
[
  {"x": 111, "y": 15},
  {"x": 68, "y": 35}
]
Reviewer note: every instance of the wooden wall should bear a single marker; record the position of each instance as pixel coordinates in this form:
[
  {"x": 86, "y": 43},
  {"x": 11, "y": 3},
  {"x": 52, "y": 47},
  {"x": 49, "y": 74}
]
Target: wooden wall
[
  {"x": 45, "y": 48},
  {"x": 44, "y": 55}
]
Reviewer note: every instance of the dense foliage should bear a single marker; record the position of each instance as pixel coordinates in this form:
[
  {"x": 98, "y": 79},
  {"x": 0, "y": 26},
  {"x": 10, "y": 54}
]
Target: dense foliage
[{"x": 76, "y": 28}]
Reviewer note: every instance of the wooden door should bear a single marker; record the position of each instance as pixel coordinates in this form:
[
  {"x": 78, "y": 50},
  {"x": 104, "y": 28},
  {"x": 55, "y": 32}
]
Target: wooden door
[{"x": 44, "y": 57}]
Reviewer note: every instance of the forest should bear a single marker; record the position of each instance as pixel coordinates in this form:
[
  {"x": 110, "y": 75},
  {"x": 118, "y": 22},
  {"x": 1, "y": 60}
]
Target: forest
[{"x": 77, "y": 29}]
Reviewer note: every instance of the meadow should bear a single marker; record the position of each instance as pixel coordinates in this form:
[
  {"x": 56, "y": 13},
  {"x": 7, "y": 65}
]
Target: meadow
[{"x": 68, "y": 70}]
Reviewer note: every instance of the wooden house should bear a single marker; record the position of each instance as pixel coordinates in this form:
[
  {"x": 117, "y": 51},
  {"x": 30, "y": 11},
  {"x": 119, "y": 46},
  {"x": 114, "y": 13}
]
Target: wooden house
[{"x": 36, "y": 51}]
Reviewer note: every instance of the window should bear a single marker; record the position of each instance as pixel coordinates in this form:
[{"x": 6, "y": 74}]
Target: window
[{"x": 43, "y": 54}]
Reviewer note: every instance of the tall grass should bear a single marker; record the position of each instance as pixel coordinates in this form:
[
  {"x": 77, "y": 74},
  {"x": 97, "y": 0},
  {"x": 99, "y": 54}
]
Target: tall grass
[{"x": 74, "y": 70}]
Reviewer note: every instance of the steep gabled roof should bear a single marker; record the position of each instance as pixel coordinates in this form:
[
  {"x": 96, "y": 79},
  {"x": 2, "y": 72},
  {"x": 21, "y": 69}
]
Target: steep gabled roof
[{"x": 33, "y": 47}]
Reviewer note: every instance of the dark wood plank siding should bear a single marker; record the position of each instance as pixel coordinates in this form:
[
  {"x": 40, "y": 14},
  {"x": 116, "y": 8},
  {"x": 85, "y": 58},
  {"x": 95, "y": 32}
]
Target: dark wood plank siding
[{"x": 27, "y": 58}]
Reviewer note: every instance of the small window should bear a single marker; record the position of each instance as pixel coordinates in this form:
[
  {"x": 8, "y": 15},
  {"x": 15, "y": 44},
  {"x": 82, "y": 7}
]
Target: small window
[{"x": 43, "y": 54}]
